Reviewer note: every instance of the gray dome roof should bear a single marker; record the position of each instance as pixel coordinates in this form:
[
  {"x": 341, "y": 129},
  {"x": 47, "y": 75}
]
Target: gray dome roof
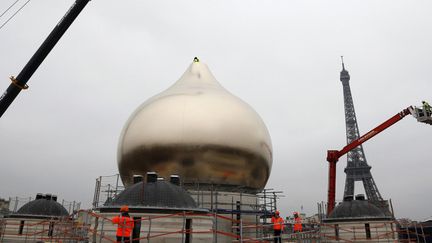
[
  {"x": 356, "y": 210},
  {"x": 41, "y": 208},
  {"x": 153, "y": 195}
]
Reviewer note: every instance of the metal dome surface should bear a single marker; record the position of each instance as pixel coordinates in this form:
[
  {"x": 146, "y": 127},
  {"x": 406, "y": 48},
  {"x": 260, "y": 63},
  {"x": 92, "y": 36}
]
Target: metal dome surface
[
  {"x": 159, "y": 194},
  {"x": 356, "y": 210},
  {"x": 41, "y": 208},
  {"x": 200, "y": 131}
]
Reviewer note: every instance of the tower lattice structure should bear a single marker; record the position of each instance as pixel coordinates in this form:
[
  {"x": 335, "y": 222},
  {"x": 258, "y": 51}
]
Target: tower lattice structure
[{"x": 357, "y": 167}]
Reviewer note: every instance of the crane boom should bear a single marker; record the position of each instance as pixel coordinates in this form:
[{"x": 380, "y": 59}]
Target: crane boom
[
  {"x": 334, "y": 155},
  {"x": 20, "y": 82}
]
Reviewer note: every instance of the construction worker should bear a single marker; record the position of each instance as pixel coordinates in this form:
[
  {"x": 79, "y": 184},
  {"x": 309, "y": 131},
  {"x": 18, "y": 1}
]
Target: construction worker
[
  {"x": 278, "y": 226},
  {"x": 298, "y": 223},
  {"x": 426, "y": 108},
  {"x": 125, "y": 225}
]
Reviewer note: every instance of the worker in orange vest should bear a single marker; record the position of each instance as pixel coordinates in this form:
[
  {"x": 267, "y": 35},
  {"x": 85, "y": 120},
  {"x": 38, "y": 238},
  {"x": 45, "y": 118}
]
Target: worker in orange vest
[
  {"x": 125, "y": 225},
  {"x": 426, "y": 108},
  {"x": 278, "y": 226},
  {"x": 298, "y": 223}
]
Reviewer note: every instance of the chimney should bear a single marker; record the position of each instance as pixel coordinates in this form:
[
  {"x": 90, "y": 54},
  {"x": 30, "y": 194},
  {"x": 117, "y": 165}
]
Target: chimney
[
  {"x": 175, "y": 179},
  {"x": 54, "y": 198},
  {"x": 151, "y": 177},
  {"x": 39, "y": 196},
  {"x": 137, "y": 179},
  {"x": 48, "y": 196},
  {"x": 348, "y": 198}
]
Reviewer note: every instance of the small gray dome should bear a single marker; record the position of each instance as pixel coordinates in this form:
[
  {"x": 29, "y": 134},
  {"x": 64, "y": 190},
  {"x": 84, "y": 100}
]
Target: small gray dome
[
  {"x": 356, "y": 210},
  {"x": 41, "y": 208},
  {"x": 153, "y": 195}
]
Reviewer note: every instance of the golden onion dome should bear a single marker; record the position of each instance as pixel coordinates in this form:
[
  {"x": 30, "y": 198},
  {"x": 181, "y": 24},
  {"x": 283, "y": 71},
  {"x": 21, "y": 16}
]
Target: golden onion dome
[{"x": 200, "y": 131}]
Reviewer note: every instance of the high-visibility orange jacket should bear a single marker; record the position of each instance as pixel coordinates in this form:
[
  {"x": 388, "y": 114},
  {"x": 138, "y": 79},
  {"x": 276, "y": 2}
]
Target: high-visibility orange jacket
[
  {"x": 125, "y": 225},
  {"x": 297, "y": 225},
  {"x": 278, "y": 223}
]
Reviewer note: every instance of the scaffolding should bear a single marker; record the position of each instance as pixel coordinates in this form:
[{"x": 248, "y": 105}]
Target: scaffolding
[
  {"x": 244, "y": 214},
  {"x": 106, "y": 189},
  {"x": 206, "y": 196},
  {"x": 88, "y": 226},
  {"x": 234, "y": 202}
]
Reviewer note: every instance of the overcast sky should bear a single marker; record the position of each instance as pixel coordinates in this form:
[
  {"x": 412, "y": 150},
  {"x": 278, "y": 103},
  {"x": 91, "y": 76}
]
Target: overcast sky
[{"x": 280, "y": 56}]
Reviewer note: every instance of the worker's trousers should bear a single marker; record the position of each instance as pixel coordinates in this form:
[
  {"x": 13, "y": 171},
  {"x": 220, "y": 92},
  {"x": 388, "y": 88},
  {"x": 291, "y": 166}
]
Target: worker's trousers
[
  {"x": 122, "y": 239},
  {"x": 277, "y": 236}
]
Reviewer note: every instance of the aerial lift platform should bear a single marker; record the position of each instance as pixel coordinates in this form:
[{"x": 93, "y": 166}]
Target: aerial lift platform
[{"x": 423, "y": 115}]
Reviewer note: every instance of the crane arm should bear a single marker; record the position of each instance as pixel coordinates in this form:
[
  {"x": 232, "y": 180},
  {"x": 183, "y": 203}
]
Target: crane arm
[
  {"x": 20, "y": 82},
  {"x": 334, "y": 155}
]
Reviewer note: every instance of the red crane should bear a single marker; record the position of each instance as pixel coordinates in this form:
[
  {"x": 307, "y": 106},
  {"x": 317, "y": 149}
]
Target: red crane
[{"x": 334, "y": 155}]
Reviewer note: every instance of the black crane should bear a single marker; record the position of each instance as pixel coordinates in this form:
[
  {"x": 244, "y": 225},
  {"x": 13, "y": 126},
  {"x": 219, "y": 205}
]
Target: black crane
[{"x": 20, "y": 82}]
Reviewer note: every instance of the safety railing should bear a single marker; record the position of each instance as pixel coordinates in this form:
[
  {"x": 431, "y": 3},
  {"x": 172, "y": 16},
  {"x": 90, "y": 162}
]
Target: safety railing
[
  {"x": 33, "y": 230},
  {"x": 89, "y": 226}
]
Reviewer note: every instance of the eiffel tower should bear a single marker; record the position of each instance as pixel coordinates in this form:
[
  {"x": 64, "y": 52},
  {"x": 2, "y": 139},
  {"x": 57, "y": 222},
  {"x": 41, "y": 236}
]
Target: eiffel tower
[{"x": 357, "y": 167}]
